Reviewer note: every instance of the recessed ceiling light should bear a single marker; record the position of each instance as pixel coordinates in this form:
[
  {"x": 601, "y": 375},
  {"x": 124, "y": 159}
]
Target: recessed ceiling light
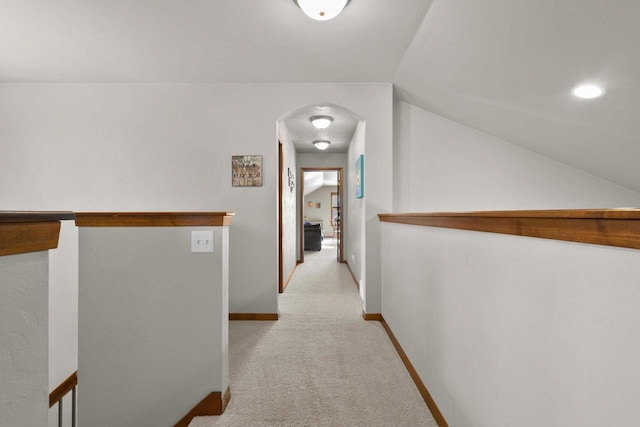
[
  {"x": 588, "y": 91},
  {"x": 322, "y": 10},
  {"x": 321, "y": 122},
  {"x": 321, "y": 145}
]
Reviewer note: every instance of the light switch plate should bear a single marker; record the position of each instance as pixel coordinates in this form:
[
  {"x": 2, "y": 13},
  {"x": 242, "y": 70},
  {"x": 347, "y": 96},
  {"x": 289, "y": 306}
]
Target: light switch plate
[{"x": 202, "y": 242}]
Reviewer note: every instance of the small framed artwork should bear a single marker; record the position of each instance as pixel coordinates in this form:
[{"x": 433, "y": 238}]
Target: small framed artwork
[
  {"x": 292, "y": 180},
  {"x": 318, "y": 205},
  {"x": 360, "y": 177},
  {"x": 246, "y": 171}
]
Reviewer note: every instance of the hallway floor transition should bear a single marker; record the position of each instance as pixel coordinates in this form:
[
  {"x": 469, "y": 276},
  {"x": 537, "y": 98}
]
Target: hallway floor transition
[{"x": 321, "y": 364}]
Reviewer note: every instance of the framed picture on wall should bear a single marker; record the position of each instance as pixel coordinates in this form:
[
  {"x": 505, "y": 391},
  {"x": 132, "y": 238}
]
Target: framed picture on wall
[
  {"x": 291, "y": 180},
  {"x": 360, "y": 177},
  {"x": 246, "y": 171}
]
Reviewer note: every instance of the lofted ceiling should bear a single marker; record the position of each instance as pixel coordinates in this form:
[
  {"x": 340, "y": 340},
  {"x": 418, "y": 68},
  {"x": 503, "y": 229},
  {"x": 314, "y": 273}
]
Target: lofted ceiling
[{"x": 504, "y": 67}]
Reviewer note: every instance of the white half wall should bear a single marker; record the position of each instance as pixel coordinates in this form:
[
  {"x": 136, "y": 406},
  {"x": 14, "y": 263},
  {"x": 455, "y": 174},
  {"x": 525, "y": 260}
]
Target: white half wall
[
  {"x": 24, "y": 324},
  {"x": 514, "y": 331},
  {"x": 153, "y": 326}
]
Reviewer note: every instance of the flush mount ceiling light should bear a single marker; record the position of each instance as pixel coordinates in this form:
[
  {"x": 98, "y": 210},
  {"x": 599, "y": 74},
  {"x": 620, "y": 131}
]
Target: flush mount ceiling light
[
  {"x": 322, "y": 10},
  {"x": 321, "y": 122},
  {"x": 321, "y": 145},
  {"x": 587, "y": 91}
]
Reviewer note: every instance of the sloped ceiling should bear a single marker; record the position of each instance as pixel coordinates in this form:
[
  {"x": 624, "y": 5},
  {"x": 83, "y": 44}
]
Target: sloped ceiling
[
  {"x": 313, "y": 180},
  {"x": 505, "y": 67}
]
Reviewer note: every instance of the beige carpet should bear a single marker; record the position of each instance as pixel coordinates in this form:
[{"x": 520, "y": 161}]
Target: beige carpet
[{"x": 321, "y": 364}]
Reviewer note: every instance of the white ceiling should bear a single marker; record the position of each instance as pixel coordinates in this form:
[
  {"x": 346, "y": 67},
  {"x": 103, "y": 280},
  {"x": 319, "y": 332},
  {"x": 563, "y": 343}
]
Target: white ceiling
[
  {"x": 201, "y": 41},
  {"x": 505, "y": 67}
]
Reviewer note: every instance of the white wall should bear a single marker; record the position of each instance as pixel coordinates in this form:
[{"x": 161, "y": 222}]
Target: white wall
[
  {"x": 355, "y": 227},
  {"x": 153, "y": 326},
  {"x": 322, "y": 160},
  {"x": 514, "y": 331},
  {"x": 129, "y": 147},
  {"x": 508, "y": 330},
  {"x": 63, "y": 307},
  {"x": 441, "y": 165},
  {"x": 323, "y": 214},
  {"x": 24, "y": 396},
  {"x": 63, "y": 316}
]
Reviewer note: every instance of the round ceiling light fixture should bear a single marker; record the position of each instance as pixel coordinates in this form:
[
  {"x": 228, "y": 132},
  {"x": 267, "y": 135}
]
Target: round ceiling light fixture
[
  {"x": 322, "y": 10},
  {"x": 588, "y": 91},
  {"x": 321, "y": 144},
  {"x": 321, "y": 122}
]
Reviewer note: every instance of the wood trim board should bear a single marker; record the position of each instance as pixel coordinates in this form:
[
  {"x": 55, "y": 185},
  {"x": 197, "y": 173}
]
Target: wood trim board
[
  {"x": 353, "y": 276},
  {"x": 253, "y": 316},
  {"x": 153, "y": 219},
  {"x": 431, "y": 404},
  {"x": 214, "y": 403},
  {"x": 372, "y": 316},
  {"x": 286, "y": 282},
  {"x": 609, "y": 227},
  {"x": 25, "y": 237}
]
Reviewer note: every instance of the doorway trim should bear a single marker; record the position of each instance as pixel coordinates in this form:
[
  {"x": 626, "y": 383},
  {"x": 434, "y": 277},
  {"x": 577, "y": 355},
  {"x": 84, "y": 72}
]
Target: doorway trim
[
  {"x": 280, "y": 225},
  {"x": 340, "y": 171}
]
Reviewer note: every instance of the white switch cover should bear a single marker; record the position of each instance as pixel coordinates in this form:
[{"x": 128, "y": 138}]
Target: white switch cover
[{"x": 201, "y": 242}]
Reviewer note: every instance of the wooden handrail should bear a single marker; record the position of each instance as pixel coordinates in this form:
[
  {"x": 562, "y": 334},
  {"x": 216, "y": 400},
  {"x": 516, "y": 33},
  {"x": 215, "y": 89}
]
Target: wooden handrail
[
  {"x": 152, "y": 219},
  {"x": 610, "y": 227},
  {"x": 65, "y": 387},
  {"x": 23, "y": 232},
  {"x": 35, "y": 216}
]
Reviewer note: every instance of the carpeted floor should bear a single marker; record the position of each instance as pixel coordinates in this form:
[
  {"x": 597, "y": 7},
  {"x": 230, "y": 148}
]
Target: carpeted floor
[{"x": 321, "y": 364}]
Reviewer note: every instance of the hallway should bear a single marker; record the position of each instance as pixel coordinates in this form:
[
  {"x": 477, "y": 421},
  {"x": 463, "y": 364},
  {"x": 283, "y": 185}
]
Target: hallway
[{"x": 321, "y": 364}]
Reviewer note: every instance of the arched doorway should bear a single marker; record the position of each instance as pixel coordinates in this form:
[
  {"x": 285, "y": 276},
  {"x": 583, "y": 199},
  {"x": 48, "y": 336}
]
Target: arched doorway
[{"x": 297, "y": 154}]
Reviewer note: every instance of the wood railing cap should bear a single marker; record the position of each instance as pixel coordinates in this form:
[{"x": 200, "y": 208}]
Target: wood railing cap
[
  {"x": 30, "y": 231},
  {"x": 35, "y": 216},
  {"x": 152, "y": 219},
  {"x": 615, "y": 213},
  {"x": 65, "y": 387},
  {"x": 610, "y": 227}
]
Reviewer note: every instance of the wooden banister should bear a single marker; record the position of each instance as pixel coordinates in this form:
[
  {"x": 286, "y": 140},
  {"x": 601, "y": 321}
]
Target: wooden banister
[
  {"x": 24, "y": 231},
  {"x": 610, "y": 227},
  {"x": 152, "y": 219},
  {"x": 65, "y": 387}
]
